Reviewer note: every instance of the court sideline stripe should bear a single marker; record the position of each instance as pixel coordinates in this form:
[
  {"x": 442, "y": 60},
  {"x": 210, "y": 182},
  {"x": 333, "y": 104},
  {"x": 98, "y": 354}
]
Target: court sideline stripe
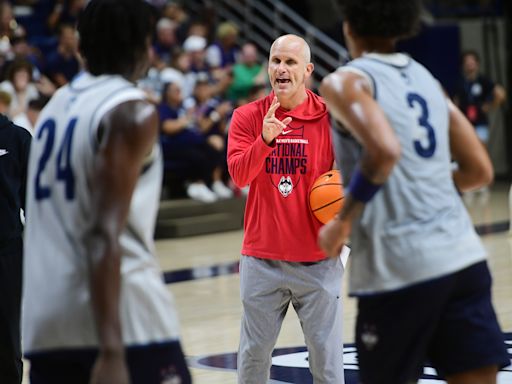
[{"x": 187, "y": 274}]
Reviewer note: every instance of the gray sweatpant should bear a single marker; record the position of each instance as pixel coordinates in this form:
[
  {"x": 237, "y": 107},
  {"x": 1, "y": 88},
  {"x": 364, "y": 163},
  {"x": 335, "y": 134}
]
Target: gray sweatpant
[{"x": 266, "y": 289}]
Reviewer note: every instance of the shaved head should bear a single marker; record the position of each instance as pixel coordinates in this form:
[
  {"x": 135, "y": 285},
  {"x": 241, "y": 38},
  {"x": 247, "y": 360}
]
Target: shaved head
[
  {"x": 289, "y": 68},
  {"x": 293, "y": 41}
]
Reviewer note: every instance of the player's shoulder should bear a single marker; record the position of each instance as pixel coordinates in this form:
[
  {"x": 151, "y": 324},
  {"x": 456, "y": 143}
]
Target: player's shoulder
[
  {"x": 345, "y": 80},
  {"x": 86, "y": 84},
  {"x": 14, "y": 130},
  {"x": 135, "y": 112}
]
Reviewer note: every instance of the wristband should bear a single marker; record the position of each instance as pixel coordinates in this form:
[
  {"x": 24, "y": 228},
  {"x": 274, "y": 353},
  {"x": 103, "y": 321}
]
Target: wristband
[{"x": 362, "y": 189}]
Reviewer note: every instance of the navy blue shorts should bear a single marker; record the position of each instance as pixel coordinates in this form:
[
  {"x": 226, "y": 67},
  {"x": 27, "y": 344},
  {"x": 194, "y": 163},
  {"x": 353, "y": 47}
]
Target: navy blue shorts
[
  {"x": 154, "y": 363},
  {"x": 449, "y": 321}
]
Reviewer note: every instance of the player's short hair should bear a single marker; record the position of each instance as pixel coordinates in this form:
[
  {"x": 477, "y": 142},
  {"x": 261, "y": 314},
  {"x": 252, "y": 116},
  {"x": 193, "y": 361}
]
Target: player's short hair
[
  {"x": 382, "y": 18},
  {"x": 114, "y": 35}
]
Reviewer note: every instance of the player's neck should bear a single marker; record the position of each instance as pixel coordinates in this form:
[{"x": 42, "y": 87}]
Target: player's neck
[
  {"x": 288, "y": 103},
  {"x": 374, "y": 45}
]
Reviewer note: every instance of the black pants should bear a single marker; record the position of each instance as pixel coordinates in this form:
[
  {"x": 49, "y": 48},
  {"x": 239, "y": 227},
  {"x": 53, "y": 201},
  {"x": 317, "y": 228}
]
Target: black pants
[
  {"x": 195, "y": 162},
  {"x": 11, "y": 261},
  {"x": 150, "y": 364}
]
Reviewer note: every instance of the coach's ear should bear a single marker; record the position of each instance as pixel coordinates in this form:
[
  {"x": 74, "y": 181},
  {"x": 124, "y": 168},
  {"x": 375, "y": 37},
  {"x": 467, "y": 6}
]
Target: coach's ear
[{"x": 310, "y": 67}]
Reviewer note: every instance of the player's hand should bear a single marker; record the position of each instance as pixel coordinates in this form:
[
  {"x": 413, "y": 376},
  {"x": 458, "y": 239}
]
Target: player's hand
[
  {"x": 110, "y": 369},
  {"x": 333, "y": 236},
  {"x": 272, "y": 127}
]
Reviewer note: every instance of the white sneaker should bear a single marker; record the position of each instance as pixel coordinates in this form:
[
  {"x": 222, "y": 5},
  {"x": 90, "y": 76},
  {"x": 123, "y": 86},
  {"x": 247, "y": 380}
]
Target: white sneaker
[
  {"x": 201, "y": 192},
  {"x": 221, "y": 190}
]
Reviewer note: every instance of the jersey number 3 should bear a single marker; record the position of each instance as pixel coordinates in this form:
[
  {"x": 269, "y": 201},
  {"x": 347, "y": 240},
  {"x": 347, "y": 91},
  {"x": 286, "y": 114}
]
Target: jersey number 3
[
  {"x": 64, "y": 171},
  {"x": 424, "y": 148}
]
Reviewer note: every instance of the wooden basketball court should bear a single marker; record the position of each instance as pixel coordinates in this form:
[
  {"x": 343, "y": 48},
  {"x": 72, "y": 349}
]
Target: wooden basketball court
[{"x": 202, "y": 275}]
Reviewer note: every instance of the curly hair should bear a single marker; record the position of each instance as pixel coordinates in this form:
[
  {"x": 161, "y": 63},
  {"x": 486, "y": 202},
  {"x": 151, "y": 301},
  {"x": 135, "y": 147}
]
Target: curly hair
[
  {"x": 382, "y": 18},
  {"x": 114, "y": 35},
  {"x": 19, "y": 65}
]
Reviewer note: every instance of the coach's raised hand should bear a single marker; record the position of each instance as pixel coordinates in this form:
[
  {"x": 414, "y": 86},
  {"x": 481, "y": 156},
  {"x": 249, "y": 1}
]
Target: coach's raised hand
[{"x": 272, "y": 126}]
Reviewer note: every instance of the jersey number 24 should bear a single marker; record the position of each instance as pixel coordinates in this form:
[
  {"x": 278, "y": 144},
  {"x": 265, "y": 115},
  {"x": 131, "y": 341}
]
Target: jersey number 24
[{"x": 64, "y": 172}]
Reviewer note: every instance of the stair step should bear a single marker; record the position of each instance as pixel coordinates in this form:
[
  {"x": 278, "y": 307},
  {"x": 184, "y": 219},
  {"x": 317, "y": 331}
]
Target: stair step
[
  {"x": 198, "y": 225},
  {"x": 182, "y": 208}
]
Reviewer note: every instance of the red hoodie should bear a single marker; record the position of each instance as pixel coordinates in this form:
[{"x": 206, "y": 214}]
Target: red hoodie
[{"x": 278, "y": 221}]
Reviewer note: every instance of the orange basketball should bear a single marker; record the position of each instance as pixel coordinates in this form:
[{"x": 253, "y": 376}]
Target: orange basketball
[{"x": 326, "y": 196}]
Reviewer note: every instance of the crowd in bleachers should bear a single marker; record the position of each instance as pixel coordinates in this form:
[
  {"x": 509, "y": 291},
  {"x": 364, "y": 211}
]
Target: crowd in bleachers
[{"x": 199, "y": 72}]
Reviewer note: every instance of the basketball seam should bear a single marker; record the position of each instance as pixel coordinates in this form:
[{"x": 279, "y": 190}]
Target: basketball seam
[
  {"x": 321, "y": 185},
  {"x": 326, "y": 205}
]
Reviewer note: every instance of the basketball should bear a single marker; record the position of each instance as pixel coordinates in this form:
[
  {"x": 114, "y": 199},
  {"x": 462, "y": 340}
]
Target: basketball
[{"x": 326, "y": 196}]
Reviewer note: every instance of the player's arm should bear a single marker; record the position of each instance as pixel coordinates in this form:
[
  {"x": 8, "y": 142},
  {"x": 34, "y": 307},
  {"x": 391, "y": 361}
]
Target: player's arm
[
  {"x": 349, "y": 99},
  {"x": 474, "y": 165},
  {"x": 128, "y": 133}
]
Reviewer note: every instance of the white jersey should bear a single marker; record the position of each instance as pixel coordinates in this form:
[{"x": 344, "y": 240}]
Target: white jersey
[
  {"x": 416, "y": 227},
  {"x": 57, "y": 310}
]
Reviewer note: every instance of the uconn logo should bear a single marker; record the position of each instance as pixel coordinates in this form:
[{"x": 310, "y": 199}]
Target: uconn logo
[
  {"x": 290, "y": 365},
  {"x": 285, "y": 186}
]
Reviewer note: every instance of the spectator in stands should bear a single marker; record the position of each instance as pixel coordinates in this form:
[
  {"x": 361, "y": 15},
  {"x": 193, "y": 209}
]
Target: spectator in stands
[
  {"x": 165, "y": 41},
  {"x": 211, "y": 113},
  {"x": 199, "y": 28},
  {"x": 151, "y": 84},
  {"x": 65, "y": 12},
  {"x": 256, "y": 92},
  {"x": 195, "y": 46},
  {"x": 63, "y": 64},
  {"x": 476, "y": 94},
  {"x": 211, "y": 116},
  {"x": 9, "y": 28},
  {"x": 175, "y": 12},
  {"x": 249, "y": 71},
  {"x": 20, "y": 87},
  {"x": 186, "y": 150},
  {"x": 224, "y": 51},
  {"x": 28, "y": 120},
  {"x": 21, "y": 49},
  {"x": 175, "y": 73}
]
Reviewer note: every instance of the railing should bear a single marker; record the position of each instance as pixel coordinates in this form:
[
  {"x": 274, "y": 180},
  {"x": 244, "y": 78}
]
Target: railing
[{"x": 261, "y": 21}]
